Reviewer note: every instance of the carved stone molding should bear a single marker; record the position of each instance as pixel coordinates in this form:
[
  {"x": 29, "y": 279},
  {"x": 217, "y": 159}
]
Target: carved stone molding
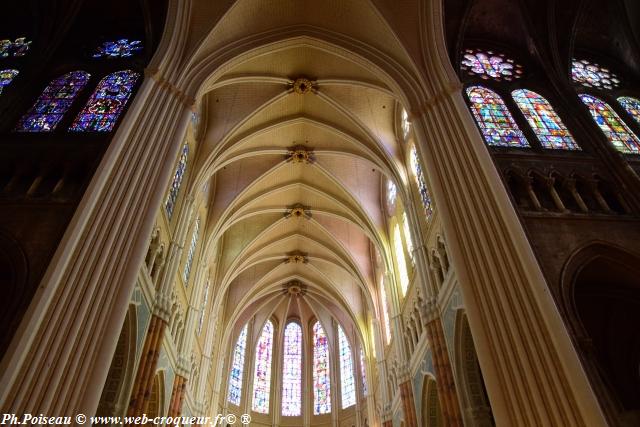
[
  {"x": 296, "y": 257},
  {"x": 298, "y": 211},
  {"x": 300, "y": 154},
  {"x": 302, "y": 85}
]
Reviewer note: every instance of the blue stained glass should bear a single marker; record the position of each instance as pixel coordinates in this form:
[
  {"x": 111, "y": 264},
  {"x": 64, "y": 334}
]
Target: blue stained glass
[
  {"x": 321, "y": 380},
  {"x": 237, "y": 368},
  {"x": 632, "y": 105},
  {"x": 418, "y": 174},
  {"x": 496, "y": 123},
  {"x": 6, "y": 77},
  {"x": 544, "y": 121},
  {"x": 16, "y": 49},
  {"x": 122, "y": 48},
  {"x": 53, "y": 103},
  {"x": 347, "y": 381},
  {"x": 192, "y": 252},
  {"x": 174, "y": 190},
  {"x": 262, "y": 374},
  {"x": 616, "y": 131},
  {"x": 292, "y": 371},
  {"x": 106, "y": 103}
]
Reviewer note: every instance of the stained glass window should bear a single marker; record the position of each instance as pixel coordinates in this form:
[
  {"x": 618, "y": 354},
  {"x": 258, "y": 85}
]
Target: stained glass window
[
  {"x": 292, "y": 371},
  {"x": 172, "y": 197},
  {"x": 493, "y": 118},
  {"x": 122, "y": 48},
  {"x": 262, "y": 373},
  {"x": 590, "y": 74},
  {"x": 6, "y": 77},
  {"x": 402, "y": 263},
  {"x": 632, "y": 105},
  {"x": 106, "y": 103},
  {"x": 418, "y": 174},
  {"x": 407, "y": 235},
  {"x": 347, "y": 382},
  {"x": 490, "y": 65},
  {"x": 53, "y": 103},
  {"x": 16, "y": 49},
  {"x": 385, "y": 312},
  {"x": 392, "y": 193},
  {"x": 363, "y": 369},
  {"x": 237, "y": 368},
  {"x": 544, "y": 121},
  {"x": 616, "y": 131},
  {"x": 321, "y": 381},
  {"x": 204, "y": 307},
  {"x": 405, "y": 123},
  {"x": 192, "y": 251}
]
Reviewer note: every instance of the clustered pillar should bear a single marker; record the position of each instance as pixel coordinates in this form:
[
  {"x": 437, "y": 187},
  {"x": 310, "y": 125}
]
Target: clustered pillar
[
  {"x": 444, "y": 374},
  {"x": 177, "y": 396},
  {"x": 408, "y": 404},
  {"x": 143, "y": 384}
]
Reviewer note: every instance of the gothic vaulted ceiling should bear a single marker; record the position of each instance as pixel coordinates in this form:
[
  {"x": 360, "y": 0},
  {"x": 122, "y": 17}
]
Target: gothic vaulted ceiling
[{"x": 297, "y": 134}]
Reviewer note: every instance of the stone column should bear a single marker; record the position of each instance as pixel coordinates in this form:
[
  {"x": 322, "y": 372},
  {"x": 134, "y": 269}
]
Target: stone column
[
  {"x": 61, "y": 353},
  {"x": 531, "y": 369},
  {"x": 445, "y": 383},
  {"x": 177, "y": 396},
  {"x": 408, "y": 404}
]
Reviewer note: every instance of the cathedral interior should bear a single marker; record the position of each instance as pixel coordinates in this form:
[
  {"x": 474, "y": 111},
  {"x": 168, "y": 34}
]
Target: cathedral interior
[{"x": 385, "y": 213}]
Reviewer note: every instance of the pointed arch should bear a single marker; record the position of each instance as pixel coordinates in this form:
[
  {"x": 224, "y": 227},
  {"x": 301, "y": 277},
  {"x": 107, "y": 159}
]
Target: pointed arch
[
  {"x": 632, "y": 105},
  {"x": 53, "y": 103},
  {"x": 262, "y": 372},
  {"x": 237, "y": 368},
  {"x": 403, "y": 273},
  {"x": 174, "y": 190},
  {"x": 544, "y": 121},
  {"x": 418, "y": 175},
  {"x": 347, "y": 380},
  {"x": 321, "y": 375},
  {"x": 494, "y": 119},
  {"x": 107, "y": 102},
  {"x": 616, "y": 131},
  {"x": 292, "y": 371},
  {"x": 6, "y": 77}
]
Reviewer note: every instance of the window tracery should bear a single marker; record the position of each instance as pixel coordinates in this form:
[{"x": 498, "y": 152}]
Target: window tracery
[
  {"x": 392, "y": 193},
  {"x": 407, "y": 235},
  {"x": 405, "y": 123},
  {"x": 418, "y": 175},
  {"x": 544, "y": 121},
  {"x": 192, "y": 250},
  {"x": 347, "y": 381},
  {"x": 262, "y": 373},
  {"x": 490, "y": 65},
  {"x": 616, "y": 131},
  {"x": 106, "y": 103},
  {"x": 6, "y": 77},
  {"x": 321, "y": 380},
  {"x": 590, "y": 74},
  {"x": 494, "y": 119},
  {"x": 174, "y": 190},
  {"x": 400, "y": 259},
  {"x": 17, "y": 48},
  {"x": 292, "y": 371},
  {"x": 632, "y": 105},
  {"x": 53, "y": 103},
  {"x": 122, "y": 48},
  {"x": 363, "y": 369},
  {"x": 237, "y": 368}
]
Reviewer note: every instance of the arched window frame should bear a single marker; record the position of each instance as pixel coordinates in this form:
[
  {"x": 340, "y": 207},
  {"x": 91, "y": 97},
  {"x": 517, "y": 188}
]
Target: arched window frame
[
  {"x": 504, "y": 89},
  {"x": 191, "y": 253},
  {"x": 262, "y": 382},
  {"x": 326, "y": 408},
  {"x": 299, "y": 411},
  {"x": 400, "y": 258},
  {"x": 238, "y": 366},
  {"x": 385, "y": 307},
  {"x": 346, "y": 359},
  {"x": 179, "y": 174},
  {"x": 610, "y": 96}
]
